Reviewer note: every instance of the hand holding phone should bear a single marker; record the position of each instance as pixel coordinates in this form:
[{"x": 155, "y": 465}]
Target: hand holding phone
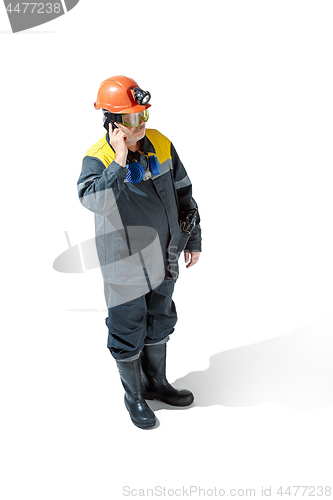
[{"x": 118, "y": 142}]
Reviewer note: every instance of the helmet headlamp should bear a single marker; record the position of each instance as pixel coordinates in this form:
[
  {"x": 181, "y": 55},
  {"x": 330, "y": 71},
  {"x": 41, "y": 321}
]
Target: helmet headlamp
[{"x": 142, "y": 97}]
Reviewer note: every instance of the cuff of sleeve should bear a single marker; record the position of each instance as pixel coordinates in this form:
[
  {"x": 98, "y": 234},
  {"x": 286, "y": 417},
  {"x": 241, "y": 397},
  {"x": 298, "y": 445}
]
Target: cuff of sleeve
[
  {"x": 193, "y": 247},
  {"x": 116, "y": 170}
]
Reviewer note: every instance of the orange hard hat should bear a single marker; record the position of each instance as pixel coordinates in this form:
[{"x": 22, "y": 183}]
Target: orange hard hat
[{"x": 117, "y": 94}]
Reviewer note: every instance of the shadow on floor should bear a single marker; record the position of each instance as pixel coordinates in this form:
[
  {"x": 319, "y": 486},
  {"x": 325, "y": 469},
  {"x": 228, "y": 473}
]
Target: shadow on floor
[{"x": 295, "y": 370}]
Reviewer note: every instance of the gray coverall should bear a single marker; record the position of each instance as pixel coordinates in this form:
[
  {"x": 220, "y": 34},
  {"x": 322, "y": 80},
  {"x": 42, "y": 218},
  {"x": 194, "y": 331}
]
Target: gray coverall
[{"x": 137, "y": 234}]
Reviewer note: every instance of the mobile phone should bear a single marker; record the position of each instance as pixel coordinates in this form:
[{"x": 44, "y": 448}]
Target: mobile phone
[{"x": 107, "y": 121}]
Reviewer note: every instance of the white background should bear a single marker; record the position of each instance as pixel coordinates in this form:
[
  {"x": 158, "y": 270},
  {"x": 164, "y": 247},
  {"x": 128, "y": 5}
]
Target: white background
[{"x": 244, "y": 91}]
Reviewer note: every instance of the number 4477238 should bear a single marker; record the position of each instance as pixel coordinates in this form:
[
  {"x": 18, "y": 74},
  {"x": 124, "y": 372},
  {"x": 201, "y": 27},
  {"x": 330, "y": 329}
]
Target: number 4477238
[{"x": 31, "y": 7}]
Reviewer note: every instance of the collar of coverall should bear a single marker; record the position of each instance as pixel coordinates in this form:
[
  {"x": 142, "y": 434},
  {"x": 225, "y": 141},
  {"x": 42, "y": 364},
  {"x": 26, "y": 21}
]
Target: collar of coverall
[{"x": 147, "y": 146}]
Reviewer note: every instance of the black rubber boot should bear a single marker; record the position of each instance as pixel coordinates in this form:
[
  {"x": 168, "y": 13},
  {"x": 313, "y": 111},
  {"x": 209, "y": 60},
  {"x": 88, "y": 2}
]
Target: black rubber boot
[
  {"x": 141, "y": 415},
  {"x": 154, "y": 382}
]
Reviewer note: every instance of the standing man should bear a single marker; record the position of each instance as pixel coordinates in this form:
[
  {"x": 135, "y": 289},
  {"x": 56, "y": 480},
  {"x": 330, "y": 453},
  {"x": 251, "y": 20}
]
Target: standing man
[{"x": 145, "y": 216}]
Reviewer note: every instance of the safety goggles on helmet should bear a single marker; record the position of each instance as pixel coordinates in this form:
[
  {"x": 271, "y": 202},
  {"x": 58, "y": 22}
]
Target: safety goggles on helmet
[
  {"x": 133, "y": 119},
  {"x": 128, "y": 119}
]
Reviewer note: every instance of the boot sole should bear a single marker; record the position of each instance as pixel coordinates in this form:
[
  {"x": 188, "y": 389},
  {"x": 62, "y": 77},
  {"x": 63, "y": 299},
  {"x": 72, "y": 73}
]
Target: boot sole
[
  {"x": 137, "y": 424},
  {"x": 150, "y": 398}
]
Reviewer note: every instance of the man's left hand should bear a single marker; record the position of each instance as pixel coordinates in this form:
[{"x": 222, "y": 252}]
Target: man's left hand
[{"x": 194, "y": 258}]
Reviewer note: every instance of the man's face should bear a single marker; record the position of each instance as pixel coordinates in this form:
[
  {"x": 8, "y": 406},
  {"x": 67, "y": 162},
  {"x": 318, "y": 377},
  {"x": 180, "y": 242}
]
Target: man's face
[{"x": 133, "y": 134}]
